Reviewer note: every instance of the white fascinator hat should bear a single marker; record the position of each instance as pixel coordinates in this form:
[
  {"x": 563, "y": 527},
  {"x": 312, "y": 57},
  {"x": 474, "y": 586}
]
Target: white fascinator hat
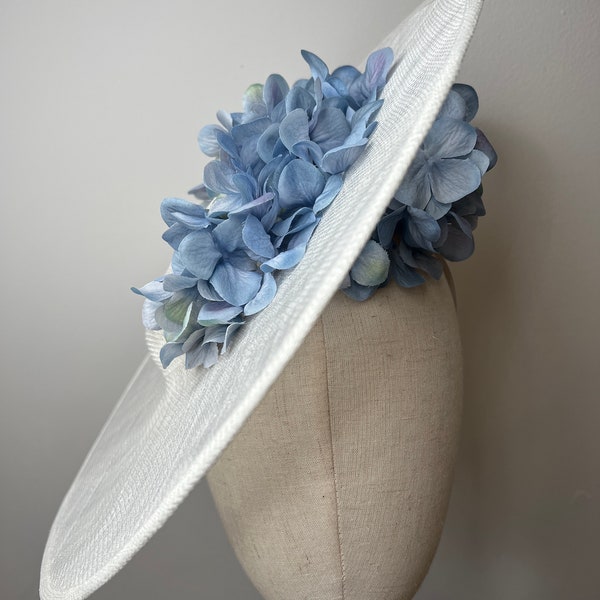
[{"x": 171, "y": 424}]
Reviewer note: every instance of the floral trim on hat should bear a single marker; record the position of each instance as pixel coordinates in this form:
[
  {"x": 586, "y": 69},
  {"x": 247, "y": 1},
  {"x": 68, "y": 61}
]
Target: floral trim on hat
[
  {"x": 277, "y": 165},
  {"x": 435, "y": 210}
]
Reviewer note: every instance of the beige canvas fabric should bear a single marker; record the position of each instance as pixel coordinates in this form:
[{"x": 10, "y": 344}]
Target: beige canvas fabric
[{"x": 337, "y": 486}]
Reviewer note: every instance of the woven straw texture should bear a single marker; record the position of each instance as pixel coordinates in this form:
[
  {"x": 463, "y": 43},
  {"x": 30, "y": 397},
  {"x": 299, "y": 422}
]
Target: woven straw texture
[{"x": 169, "y": 427}]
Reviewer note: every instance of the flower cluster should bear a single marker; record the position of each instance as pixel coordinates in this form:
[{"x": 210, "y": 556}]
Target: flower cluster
[
  {"x": 435, "y": 209},
  {"x": 276, "y": 166}
]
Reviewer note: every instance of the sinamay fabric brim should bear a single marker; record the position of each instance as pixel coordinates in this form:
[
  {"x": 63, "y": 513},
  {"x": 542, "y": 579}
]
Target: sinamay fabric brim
[{"x": 169, "y": 427}]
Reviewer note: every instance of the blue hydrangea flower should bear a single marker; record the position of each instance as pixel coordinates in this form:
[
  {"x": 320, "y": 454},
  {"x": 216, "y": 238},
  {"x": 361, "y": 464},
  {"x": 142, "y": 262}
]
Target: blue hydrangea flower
[
  {"x": 275, "y": 167},
  {"x": 435, "y": 209},
  {"x": 450, "y": 163}
]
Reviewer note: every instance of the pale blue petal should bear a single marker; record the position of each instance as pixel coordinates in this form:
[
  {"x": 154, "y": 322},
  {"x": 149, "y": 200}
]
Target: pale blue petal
[
  {"x": 358, "y": 292},
  {"x": 300, "y": 184},
  {"x": 193, "y": 340},
  {"x": 372, "y": 266},
  {"x": 318, "y": 69},
  {"x": 297, "y": 221},
  {"x": 176, "y": 210},
  {"x": 294, "y": 128},
  {"x": 227, "y": 144},
  {"x": 423, "y": 229},
  {"x": 284, "y": 260},
  {"x": 346, "y": 74},
  {"x": 480, "y": 159},
  {"x": 200, "y": 193},
  {"x": 229, "y": 334},
  {"x": 204, "y": 354},
  {"x": 275, "y": 90},
  {"x": 469, "y": 95},
  {"x": 256, "y": 238},
  {"x": 169, "y": 352},
  {"x": 330, "y": 130},
  {"x": 148, "y": 314},
  {"x": 225, "y": 119},
  {"x": 249, "y": 206},
  {"x": 153, "y": 290},
  {"x": 217, "y": 177},
  {"x": 199, "y": 253},
  {"x": 453, "y": 178},
  {"x": 484, "y": 145},
  {"x": 299, "y": 98},
  {"x": 437, "y": 209},
  {"x": 206, "y": 290},
  {"x": 215, "y": 313},
  {"x": 378, "y": 66},
  {"x": 308, "y": 151},
  {"x": 174, "y": 283},
  {"x": 235, "y": 286},
  {"x": 207, "y": 140},
  {"x": 330, "y": 191},
  {"x": 339, "y": 160},
  {"x": 454, "y": 107},
  {"x": 248, "y": 131},
  {"x": 450, "y": 138},
  {"x": 387, "y": 227},
  {"x": 266, "y": 142},
  {"x": 228, "y": 234},
  {"x": 264, "y": 296}
]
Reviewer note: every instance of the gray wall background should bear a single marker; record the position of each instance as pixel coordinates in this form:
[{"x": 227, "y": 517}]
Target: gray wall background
[{"x": 101, "y": 102}]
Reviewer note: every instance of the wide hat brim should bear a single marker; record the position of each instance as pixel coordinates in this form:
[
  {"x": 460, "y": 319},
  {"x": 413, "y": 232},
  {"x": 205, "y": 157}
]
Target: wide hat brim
[{"x": 171, "y": 425}]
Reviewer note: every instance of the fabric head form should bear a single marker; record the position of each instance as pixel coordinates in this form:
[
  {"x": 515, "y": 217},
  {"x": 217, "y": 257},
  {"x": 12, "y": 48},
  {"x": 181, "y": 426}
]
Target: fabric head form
[{"x": 170, "y": 425}]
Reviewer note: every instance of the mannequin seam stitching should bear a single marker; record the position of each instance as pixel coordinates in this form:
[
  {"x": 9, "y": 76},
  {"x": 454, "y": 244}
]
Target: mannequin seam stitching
[{"x": 335, "y": 479}]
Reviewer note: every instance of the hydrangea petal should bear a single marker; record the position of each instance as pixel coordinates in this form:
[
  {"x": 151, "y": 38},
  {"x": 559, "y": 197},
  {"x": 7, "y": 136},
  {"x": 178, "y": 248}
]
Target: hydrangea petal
[
  {"x": 372, "y": 265},
  {"x": 228, "y": 234},
  {"x": 300, "y": 184},
  {"x": 207, "y": 140},
  {"x": 331, "y": 129},
  {"x": 358, "y": 292},
  {"x": 256, "y": 238},
  {"x": 423, "y": 228},
  {"x": 284, "y": 260},
  {"x": 204, "y": 354},
  {"x": 215, "y": 313},
  {"x": 177, "y": 210},
  {"x": 235, "y": 286},
  {"x": 294, "y": 128},
  {"x": 169, "y": 352},
  {"x": 174, "y": 283},
  {"x": 274, "y": 91},
  {"x": 207, "y": 291},
  {"x": 266, "y": 142},
  {"x": 153, "y": 290},
  {"x": 469, "y": 95},
  {"x": 453, "y": 178},
  {"x": 454, "y": 107},
  {"x": 318, "y": 69},
  {"x": 480, "y": 159},
  {"x": 484, "y": 146},
  {"x": 340, "y": 159},
  {"x": 330, "y": 191},
  {"x": 199, "y": 253},
  {"x": 263, "y": 298},
  {"x": 387, "y": 227},
  {"x": 148, "y": 314},
  {"x": 450, "y": 138}
]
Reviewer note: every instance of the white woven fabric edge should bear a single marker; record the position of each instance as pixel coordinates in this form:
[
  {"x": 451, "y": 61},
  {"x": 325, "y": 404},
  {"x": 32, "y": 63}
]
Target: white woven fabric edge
[{"x": 169, "y": 427}]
